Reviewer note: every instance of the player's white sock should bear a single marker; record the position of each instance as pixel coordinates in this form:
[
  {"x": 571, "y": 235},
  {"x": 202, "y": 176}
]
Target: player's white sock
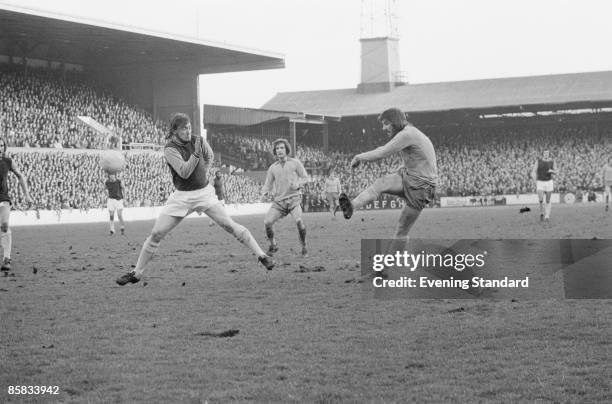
[
  {"x": 548, "y": 208},
  {"x": 112, "y": 226},
  {"x": 366, "y": 196},
  {"x": 148, "y": 251},
  {"x": 6, "y": 241},
  {"x": 244, "y": 236}
]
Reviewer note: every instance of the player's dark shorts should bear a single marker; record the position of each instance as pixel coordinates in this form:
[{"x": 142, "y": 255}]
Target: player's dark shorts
[
  {"x": 417, "y": 193},
  {"x": 286, "y": 206}
]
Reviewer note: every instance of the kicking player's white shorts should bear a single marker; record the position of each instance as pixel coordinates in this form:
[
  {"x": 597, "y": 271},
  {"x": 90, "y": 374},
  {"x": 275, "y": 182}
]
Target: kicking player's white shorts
[
  {"x": 183, "y": 203},
  {"x": 114, "y": 204},
  {"x": 545, "y": 186}
]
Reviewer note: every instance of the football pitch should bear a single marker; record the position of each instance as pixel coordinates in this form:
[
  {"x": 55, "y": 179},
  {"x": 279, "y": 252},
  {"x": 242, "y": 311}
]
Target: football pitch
[{"x": 208, "y": 324}]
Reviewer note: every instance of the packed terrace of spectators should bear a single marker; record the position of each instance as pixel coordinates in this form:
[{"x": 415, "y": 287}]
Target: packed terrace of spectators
[
  {"x": 38, "y": 110},
  {"x": 62, "y": 180}
]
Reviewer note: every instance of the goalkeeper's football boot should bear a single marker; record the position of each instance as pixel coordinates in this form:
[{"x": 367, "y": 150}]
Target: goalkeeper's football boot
[
  {"x": 130, "y": 277},
  {"x": 266, "y": 261},
  {"x": 346, "y": 206}
]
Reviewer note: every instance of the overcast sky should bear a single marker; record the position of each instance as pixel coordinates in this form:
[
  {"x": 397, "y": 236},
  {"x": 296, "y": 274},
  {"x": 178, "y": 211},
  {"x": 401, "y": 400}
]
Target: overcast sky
[{"x": 440, "y": 40}]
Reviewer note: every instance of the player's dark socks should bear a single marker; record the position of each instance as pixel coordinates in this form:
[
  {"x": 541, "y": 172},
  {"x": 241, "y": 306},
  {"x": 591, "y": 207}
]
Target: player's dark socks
[
  {"x": 346, "y": 206},
  {"x": 270, "y": 233},
  {"x": 302, "y": 233},
  {"x": 272, "y": 249},
  {"x": 266, "y": 261},
  {"x": 130, "y": 277}
]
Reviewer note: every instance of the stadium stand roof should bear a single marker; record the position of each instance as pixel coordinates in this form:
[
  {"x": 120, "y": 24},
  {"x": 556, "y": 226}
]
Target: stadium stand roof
[
  {"x": 474, "y": 94},
  {"x": 47, "y": 36},
  {"x": 241, "y": 116}
]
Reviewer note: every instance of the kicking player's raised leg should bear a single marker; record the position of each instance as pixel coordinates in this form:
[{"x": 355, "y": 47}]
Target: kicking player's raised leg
[{"x": 389, "y": 184}]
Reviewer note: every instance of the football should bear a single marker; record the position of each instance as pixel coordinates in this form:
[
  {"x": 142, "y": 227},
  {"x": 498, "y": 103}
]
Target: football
[{"x": 112, "y": 161}]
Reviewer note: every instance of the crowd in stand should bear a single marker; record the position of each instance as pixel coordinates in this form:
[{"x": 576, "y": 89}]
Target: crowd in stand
[
  {"x": 63, "y": 180},
  {"x": 496, "y": 161},
  {"x": 257, "y": 154},
  {"x": 488, "y": 162},
  {"x": 39, "y": 108}
]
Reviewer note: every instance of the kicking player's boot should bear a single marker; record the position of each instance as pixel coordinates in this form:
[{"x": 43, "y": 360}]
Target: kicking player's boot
[
  {"x": 272, "y": 250},
  {"x": 266, "y": 261},
  {"x": 130, "y": 277},
  {"x": 346, "y": 206},
  {"x": 6, "y": 265}
]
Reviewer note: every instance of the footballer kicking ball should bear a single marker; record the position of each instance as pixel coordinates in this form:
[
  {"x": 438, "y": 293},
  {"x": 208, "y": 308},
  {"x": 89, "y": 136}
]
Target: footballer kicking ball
[{"x": 112, "y": 161}]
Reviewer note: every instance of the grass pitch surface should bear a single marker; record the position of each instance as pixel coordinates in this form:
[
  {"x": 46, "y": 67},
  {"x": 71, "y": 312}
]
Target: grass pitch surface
[{"x": 305, "y": 331}]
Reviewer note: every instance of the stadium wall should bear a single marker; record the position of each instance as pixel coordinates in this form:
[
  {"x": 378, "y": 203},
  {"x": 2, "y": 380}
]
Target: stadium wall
[
  {"x": 522, "y": 199},
  {"x": 74, "y": 216}
]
